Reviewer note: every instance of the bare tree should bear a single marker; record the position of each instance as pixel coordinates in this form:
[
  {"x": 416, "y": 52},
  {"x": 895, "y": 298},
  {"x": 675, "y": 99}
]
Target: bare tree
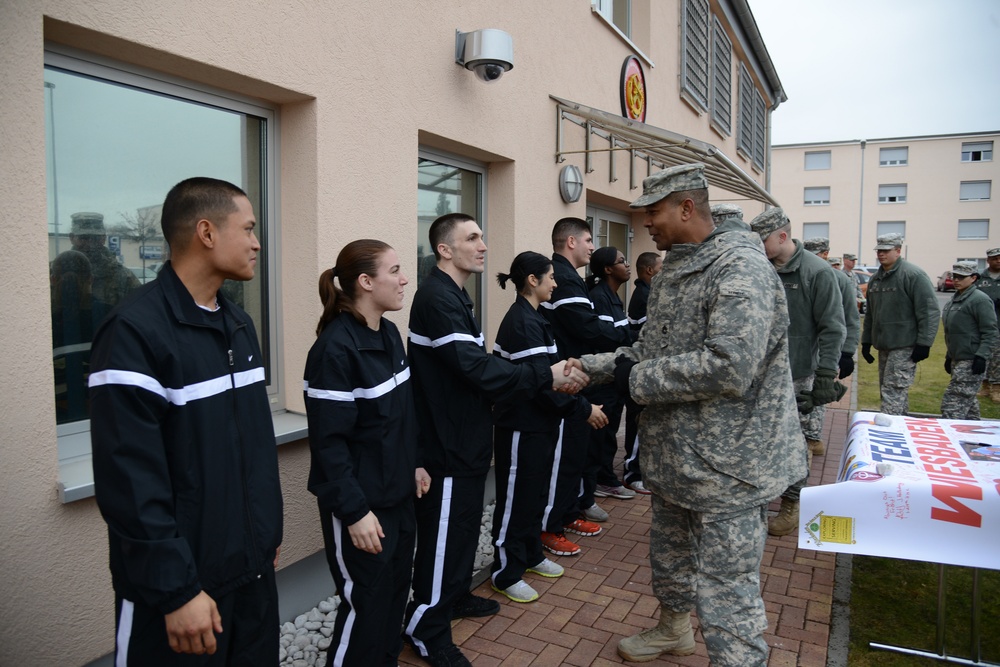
[{"x": 140, "y": 227}]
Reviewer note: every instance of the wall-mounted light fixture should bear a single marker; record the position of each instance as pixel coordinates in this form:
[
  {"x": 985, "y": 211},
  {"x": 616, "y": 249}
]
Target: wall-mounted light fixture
[
  {"x": 488, "y": 52},
  {"x": 570, "y": 183}
]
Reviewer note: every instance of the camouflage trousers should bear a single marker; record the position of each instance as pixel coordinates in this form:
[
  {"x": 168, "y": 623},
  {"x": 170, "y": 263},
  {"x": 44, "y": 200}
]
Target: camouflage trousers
[
  {"x": 993, "y": 370},
  {"x": 895, "y": 375},
  {"x": 812, "y": 428},
  {"x": 959, "y": 400},
  {"x": 711, "y": 562}
]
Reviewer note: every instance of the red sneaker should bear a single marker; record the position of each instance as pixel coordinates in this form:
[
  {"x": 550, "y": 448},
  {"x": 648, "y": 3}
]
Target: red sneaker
[
  {"x": 581, "y": 527},
  {"x": 559, "y": 545}
]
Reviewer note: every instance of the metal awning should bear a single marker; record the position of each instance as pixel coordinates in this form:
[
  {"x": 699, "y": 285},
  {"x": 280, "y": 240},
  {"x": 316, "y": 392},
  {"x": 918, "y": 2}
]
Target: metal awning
[{"x": 657, "y": 147}]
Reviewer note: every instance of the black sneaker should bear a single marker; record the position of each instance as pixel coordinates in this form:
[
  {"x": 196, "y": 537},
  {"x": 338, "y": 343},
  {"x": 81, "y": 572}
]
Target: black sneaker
[
  {"x": 449, "y": 656},
  {"x": 473, "y": 606}
]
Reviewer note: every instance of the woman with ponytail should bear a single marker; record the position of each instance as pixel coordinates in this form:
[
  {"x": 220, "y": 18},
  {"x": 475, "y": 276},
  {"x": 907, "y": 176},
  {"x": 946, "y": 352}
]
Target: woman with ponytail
[
  {"x": 526, "y": 434},
  {"x": 362, "y": 438},
  {"x": 609, "y": 271}
]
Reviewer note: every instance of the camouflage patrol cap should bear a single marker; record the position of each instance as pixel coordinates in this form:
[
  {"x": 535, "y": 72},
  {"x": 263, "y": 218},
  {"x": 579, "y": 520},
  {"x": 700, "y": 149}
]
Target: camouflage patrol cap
[
  {"x": 722, "y": 212},
  {"x": 889, "y": 241},
  {"x": 818, "y": 244},
  {"x": 674, "y": 179},
  {"x": 850, "y": 255},
  {"x": 993, "y": 252},
  {"x": 768, "y": 221},
  {"x": 834, "y": 261},
  {"x": 87, "y": 224},
  {"x": 964, "y": 268}
]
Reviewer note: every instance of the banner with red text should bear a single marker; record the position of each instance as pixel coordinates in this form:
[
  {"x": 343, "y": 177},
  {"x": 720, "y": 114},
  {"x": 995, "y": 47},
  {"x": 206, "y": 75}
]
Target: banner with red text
[{"x": 921, "y": 489}]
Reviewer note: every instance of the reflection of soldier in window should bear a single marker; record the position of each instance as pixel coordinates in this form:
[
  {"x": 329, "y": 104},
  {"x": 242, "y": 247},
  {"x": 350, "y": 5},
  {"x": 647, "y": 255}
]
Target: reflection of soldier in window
[
  {"x": 75, "y": 316},
  {"x": 112, "y": 281}
]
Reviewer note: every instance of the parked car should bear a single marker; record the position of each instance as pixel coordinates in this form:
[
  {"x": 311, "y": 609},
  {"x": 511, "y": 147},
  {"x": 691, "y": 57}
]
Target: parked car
[
  {"x": 863, "y": 278},
  {"x": 945, "y": 282}
]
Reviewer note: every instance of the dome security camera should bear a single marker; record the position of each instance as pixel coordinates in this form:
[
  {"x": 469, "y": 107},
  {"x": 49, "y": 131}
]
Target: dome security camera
[{"x": 488, "y": 52}]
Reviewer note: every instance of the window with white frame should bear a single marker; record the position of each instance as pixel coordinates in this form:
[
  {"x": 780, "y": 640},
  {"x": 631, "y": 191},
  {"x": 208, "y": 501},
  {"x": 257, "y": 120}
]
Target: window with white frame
[
  {"x": 974, "y": 190},
  {"x": 117, "y": 140},
  {"x": 722, "y": 80},
  {"x": 817, "y": 196},
  {"x": 890, "y": 227},
  {"x": 977, "y": 151},
  {"x": 892, "y": 194},
  {"x": 695, "y": 51},
  {"x": 616, "y": 12},
  {"x": 973, "y": 229},
  {"x": 816, "y": 160},
  {"x": 815, "y": 230},
  {"x": 893, "y": 157}
]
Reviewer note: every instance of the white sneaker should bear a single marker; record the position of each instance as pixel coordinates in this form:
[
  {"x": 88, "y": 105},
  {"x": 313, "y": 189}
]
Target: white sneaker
[
  {"x": 518, "y": 592},
  {"x": 622, "y": 492},
  {"x": 639, "y": 487},
  {"x": 595, "y": 513},
  {"x": 547, "y": 569}
]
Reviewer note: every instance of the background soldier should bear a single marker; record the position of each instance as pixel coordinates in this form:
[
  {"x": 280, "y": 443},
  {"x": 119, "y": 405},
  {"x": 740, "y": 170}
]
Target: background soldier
[
  {"x": 901, "y": 322},
  {"x": 112, "y": 281},
  {"x": 989, "y": 284},
  {"x": 970, "y": 333}
]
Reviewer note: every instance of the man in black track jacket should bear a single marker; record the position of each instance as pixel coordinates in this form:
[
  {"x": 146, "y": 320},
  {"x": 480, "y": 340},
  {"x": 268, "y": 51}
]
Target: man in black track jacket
[
  {"x": 455, "y": 384},
  {"x": 185, "y": 464}
]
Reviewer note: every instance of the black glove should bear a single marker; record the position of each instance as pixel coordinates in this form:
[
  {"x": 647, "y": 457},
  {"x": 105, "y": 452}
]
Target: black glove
[
  {"x": 920, "y": 352},
  {"x": 846, "y": 364},
  {"x": 823, "y": 390},
  {"x": 623, "y": 369},
  {"x": 947, "y": 365},
  {"x": 866, "y": 353},
  {"x": 804, "y": 401},
  {"x": 978, "y": 365}
]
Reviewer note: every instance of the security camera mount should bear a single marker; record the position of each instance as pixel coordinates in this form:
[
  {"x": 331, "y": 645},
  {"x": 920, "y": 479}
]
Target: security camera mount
[{"x": 488, "y": 52}]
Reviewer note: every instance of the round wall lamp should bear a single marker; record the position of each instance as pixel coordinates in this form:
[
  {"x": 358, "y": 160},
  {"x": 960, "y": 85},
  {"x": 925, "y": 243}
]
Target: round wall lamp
[{"x": 570, "y": 183}]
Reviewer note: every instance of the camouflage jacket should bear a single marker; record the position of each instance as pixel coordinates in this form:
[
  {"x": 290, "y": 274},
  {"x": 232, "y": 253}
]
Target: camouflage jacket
[
  {"x": 720, "y": 431},
  {"x": 902, "y": 308}
]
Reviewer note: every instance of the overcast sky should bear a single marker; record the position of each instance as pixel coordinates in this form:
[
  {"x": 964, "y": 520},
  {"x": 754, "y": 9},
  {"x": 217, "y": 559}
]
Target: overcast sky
[{"x": 867, "y": 69}]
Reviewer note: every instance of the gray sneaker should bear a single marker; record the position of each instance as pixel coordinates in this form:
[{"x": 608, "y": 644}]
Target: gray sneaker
[
  {"x": 622, "y": 492},
  {"x": 595, "y": 513}
]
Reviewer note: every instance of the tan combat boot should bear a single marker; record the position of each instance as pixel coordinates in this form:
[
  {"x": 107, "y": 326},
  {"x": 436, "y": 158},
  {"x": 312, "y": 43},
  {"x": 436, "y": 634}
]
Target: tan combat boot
[
  {"x": 995, "y": 393},
  {"x": 787, "y": 520},
  {"x": 673, "y": 635},
  {"x": 816, "y": 447},
  {"x": 984, "y": 390}
]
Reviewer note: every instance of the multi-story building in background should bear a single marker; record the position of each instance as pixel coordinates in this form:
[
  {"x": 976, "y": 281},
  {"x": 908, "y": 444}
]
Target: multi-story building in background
[{"x": 935, "y": 190}]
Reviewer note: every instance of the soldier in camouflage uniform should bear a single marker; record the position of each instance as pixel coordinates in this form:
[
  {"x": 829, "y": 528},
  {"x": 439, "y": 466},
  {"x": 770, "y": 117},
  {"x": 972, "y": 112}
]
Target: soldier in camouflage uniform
[
  {"x": 719, "y": 432},
  {"x": 112, "y": 281},
  {"x": 901, "y": 322},
  {"x": 989, "y": 284},
  {"x": 970, "y": 333},
  {"x": 728, "y": 212},
  {"x": 815, "y": 338}
]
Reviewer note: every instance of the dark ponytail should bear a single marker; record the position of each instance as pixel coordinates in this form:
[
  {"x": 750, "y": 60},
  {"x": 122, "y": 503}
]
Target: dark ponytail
[
  {"x": 527, "y": 263},
  {"x": 356, "y": 258},
  {"x": 599, "y": 261}
]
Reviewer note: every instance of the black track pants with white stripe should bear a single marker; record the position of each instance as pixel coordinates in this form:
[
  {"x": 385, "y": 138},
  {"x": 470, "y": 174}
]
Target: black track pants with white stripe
[
  {"x": 566, "y": 486},
  {"x": 523, "y": 469},
  {"x": 373, "y": 588},
  {"x": 449, "y": 518}
]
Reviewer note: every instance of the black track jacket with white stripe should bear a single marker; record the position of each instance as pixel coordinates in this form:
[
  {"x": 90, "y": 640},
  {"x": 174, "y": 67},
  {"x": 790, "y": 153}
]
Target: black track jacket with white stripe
[
  {"x": 185, "y": 462},
  {"x": 577, "y": 327},
  {"x": 456, "y": 380},
  {"x": 362, "y": 425},
  {"x": 525, "y": 337}
]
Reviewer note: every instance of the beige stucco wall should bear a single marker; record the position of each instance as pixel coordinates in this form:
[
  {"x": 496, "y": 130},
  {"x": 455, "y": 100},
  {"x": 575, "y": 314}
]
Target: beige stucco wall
[
  {"x": 932, "y": 210},
  {"x": 360, "y": 87}
]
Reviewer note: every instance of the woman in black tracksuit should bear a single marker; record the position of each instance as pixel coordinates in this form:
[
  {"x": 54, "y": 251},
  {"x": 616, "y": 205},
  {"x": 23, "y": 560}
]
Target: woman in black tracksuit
[
  {"x": 362, "y": 437},
  {"x": 609, "y": 272},
  {"x": 525, "y": 434}
]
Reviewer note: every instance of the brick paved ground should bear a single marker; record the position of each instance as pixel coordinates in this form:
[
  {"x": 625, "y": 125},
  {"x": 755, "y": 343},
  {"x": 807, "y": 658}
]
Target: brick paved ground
[{"x": 605, "y": 594}]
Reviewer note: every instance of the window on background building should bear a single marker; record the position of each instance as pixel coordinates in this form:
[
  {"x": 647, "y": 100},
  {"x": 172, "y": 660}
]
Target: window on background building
[
  {"x": 891, "y": 227},
  {"x": 892, "y": 194},
  {"x": 893, "y": 157},
  {"x": 722, "y": 80},
  {"x": 816, "y": 196},
  {"x": 116, "y": 142},
  {"x": 815, "y": 230},
  {"x": 973, "y": 229},
  {"x": 616, "y": 12},
  {"x": 816, "y": 160},
  {"x": 448, "y": 184},
  {"x": 977, "y": 151},
  {"x": 974, "y": 190},
  {"x": 694, "y": 55}
]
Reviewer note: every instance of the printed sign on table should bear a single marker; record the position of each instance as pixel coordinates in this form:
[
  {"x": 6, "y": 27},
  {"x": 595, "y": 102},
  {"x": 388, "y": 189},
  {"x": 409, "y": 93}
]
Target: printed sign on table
[{"x": 920, "y": 489}]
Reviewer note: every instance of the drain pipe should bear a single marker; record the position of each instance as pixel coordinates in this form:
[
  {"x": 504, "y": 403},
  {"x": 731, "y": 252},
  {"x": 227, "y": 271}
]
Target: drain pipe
[{"x": 861, "y": 199}]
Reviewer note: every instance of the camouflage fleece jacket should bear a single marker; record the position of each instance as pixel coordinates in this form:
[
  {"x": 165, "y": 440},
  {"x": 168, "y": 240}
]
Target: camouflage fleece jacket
[{"x": 720, "y": 431}]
